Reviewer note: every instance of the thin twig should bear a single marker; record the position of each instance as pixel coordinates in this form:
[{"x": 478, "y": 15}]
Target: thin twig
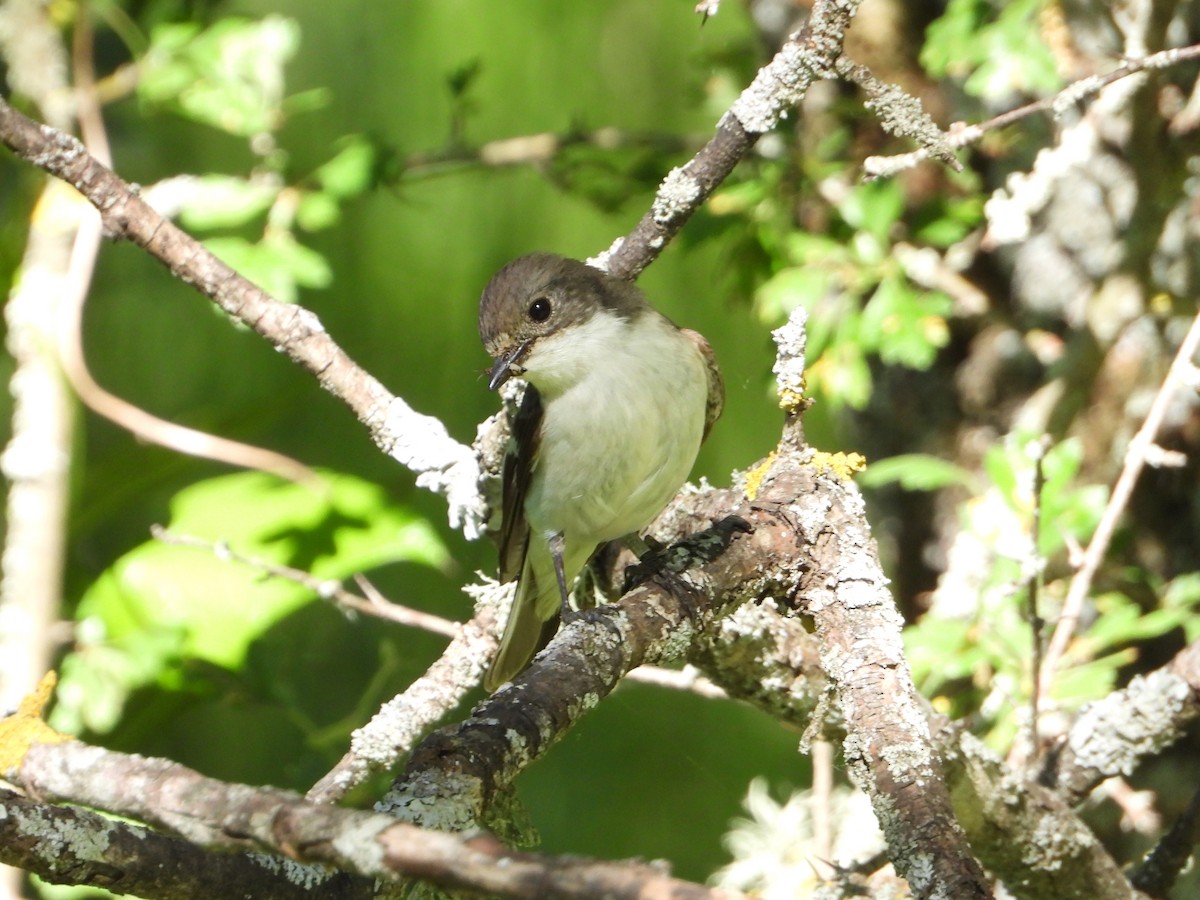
[
  {"x": 961, "y": 135},
  {"x": 689, "y": 679},
  {"x": 822, "y": 756},
  {"x": 121, "y": 412},
  {"x": 1182, "y": 373},
  {"x": 1035, "y": 578},
  {"x": 537, "y": 149},
  {"x": 327, "y": 589}
]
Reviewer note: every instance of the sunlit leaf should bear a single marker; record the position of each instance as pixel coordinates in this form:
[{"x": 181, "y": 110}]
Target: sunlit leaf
[
  {"x": 161, "y": 605},
  {"x": 905, "y": 325},
  {"x": 792, "y": 287},
  {"x": 229, "y": 76},
  {"x": 317, "y": 210},
  {"x": 224, "y": 201},
  {"x": 278, "y": 264},
  {"x": 349, "y": 173},
  {"x": 915, "y": 472},
  {"x": 874, "y": 208}
]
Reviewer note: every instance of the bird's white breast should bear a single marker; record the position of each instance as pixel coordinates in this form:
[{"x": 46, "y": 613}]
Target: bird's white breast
[{"x": 624, "y": 404}]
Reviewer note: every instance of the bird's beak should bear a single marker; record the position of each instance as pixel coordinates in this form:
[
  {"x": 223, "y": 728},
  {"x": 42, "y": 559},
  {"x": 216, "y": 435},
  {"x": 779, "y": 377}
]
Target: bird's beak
[{"x": 508, "y": 365}]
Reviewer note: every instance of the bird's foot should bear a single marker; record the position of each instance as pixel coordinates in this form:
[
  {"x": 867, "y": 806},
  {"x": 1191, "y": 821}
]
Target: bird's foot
[
  {"x": 651, "y": 559},
  {"x": 689, "y": 551}
]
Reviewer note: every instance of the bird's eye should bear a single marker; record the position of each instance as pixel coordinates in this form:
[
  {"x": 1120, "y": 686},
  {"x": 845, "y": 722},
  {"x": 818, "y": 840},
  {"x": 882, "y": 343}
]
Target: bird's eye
[{"x": 539, "y": 309}]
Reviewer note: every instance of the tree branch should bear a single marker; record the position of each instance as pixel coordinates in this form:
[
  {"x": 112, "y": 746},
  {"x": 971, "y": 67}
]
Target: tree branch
[
  {"x": 419, "y": 442},
  {"x": 808, "y": 551},
  {"x": 71, "y": 845},
  {"x": 1183, "y": 372},
  {"x": 1026, "y": 834},
  {"x": 402, "y": 721},
  {"x": 808, "y": 55},
  {"x": 1112, "y": 736},
  {"x": 964, "y": 135},
  {"x": 810, "y": 554},
  {"x": 221, "y": 816}
]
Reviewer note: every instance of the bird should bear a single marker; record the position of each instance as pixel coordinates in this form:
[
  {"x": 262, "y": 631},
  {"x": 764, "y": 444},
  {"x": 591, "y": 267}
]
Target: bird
[{"x": 618, "y": 400}]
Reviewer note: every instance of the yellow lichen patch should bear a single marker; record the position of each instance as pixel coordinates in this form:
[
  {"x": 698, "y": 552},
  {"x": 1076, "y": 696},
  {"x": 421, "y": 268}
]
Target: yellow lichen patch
[
  {"x": 791, "y": 401},
  {"x": 26, "y": 727},
  {"x": 843, "y": 465},
  {"x": 754, "y": 478}
]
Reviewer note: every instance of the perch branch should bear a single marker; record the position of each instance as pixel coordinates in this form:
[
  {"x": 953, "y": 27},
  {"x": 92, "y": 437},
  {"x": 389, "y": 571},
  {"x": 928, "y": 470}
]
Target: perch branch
[{"x": 221, "y": 816}]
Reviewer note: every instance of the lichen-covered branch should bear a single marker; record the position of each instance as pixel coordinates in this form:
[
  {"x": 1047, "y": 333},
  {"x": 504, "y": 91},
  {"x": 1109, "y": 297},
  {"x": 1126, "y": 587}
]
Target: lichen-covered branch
[
  {"x": 402, "y": 721},
  {"x": 807, "y": 56},
  {"x": 221, "y": 816},
  {"x": 417, "y": 441},
  {"x": 807, "y": 551},
  {"x": 71, "y": 845},
  {"x": 1112, "y": 736},
  {"x": 1026, "y": 835},
  {"x": 1069, "y": 97}
]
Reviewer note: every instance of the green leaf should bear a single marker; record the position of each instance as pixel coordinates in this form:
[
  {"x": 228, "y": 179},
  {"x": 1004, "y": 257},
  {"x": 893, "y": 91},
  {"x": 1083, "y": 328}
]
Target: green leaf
[
  {"x": 351, "y": 171},
  {"x": 949, "y": 40},
  {"x": 948, "y": 219},
  {"x": 843, "y": 374},
  {"x": 789, "y": 288},
  {"x": 1076, "y": 518},
  {"x": 874, "y": 208},
  {"x": 915, "y": 472},
  {"x": 1183, "y": 593},
  {"x": 941, "y": 650},
  {"x": 306, "y": 266},
  {"x": 1079, "y": 684},
  {"x": 907, "y": 327},
  {"x": 317, "y": 210},
  {"x": 162, "y": 606},
  {"x": 807, "y": 248},
  {"x": 1069, "y": 510},
  {"x": 1117, "y": 619},
  {"x": 229, "y": 76},
  {"x": 995, "y": 46},
  {"x": 999, "y": 463},
  {"x": 278, "y": 263},
  {"x": 225, "y": 201},
  {"x": 98, "y": 674},
  {"x": 1121, "y": 621}
]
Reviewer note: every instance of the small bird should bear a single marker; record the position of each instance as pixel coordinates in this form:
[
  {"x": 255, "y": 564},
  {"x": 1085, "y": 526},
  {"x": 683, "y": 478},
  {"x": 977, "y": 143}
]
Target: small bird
[{"x": 617, "y": 403}]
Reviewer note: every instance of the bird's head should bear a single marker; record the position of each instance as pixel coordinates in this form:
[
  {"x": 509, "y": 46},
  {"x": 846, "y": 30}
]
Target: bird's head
[{"x": 535, "y": 301}]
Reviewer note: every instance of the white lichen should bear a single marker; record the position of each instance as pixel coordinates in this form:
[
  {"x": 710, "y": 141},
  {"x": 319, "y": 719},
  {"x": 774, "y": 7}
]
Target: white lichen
[{"x": 677, "y": 195}]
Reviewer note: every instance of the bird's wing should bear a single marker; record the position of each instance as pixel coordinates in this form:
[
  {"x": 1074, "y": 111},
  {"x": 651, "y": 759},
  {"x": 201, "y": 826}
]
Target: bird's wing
[
  {"x": 716, "y": 384},
  {"x": 518, "y": 470}
]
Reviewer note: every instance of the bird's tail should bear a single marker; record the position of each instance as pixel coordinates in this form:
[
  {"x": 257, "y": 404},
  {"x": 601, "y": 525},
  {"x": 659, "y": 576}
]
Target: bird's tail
[{"x": 532, "y": 621}]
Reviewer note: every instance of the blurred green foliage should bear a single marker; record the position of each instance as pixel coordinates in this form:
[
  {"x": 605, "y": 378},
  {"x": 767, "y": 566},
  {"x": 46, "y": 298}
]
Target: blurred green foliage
[
  {"x": 993, "y": 47},
  {"x": 161, "y": 607},
  {"x": 228, "y": 75},
  {"x": 971, "y": 653},
  {"x": 860, "y": 301}
]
